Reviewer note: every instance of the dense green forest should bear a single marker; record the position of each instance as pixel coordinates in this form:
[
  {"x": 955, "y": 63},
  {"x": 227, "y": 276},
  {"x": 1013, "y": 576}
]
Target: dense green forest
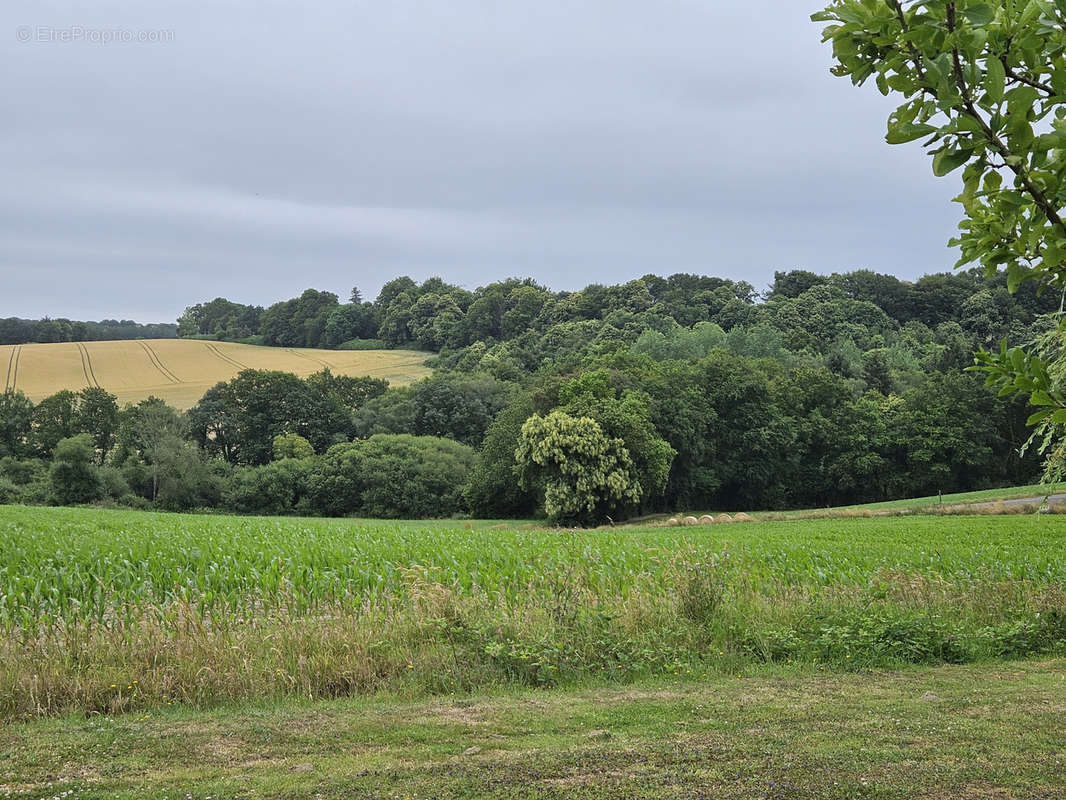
[
  {"x": 26, "y": 331},
  {"x": 685, "y": 392}
]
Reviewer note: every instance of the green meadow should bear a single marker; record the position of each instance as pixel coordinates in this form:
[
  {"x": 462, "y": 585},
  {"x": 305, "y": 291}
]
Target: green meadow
[{"x": 117, "y": 611}]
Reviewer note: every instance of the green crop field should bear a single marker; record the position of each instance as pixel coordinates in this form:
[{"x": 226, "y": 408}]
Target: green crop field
[
  {"x": 180, "y": 370},
  {"x": 107, "y": 611}
]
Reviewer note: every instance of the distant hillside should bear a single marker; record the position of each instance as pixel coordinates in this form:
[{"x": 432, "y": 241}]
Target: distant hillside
[
  {"x": 14, "y": 330},
  {"x": 180, "y": 371}
]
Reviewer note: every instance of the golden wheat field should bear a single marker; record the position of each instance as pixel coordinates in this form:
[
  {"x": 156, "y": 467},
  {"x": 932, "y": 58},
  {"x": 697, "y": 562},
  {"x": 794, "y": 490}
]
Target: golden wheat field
[{"x": 180, "y": 370}]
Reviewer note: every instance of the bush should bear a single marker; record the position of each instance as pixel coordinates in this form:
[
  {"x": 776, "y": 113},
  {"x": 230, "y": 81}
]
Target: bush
[
  {"x": 275, "y": 489},
  {"x": 364, "y": 344},
  {"x": 9, "y": 492},
  {"x": 23, "y": 472},
  {"x": 392, "y": 476},
  {"x": 75, "y": 478},
  {"x": 114, "y": 485}
]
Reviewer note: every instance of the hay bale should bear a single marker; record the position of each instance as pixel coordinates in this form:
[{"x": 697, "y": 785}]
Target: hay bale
[
  {"x": 691, "y": 521},
  {"x": 742, "y": 517},
  {"x": 724, "y": 518},
  {"x": 706, "y": 519},
  {"x": 672, "y": 522}
]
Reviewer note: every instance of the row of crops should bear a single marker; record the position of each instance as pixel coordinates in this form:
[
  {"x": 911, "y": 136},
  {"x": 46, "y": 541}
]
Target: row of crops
[{"x": 77, "y": 565}]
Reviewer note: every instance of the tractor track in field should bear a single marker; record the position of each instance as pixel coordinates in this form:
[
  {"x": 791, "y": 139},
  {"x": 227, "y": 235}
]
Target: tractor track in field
[
  {"x": 157, "y": 362},
  {"x": 231, "y": 361},
  {"x": 309, "y": 358},
  {"x": 12, "y": 363},
  {"x": 393, "y": 367},
  {"x": 87, "y": 365}
]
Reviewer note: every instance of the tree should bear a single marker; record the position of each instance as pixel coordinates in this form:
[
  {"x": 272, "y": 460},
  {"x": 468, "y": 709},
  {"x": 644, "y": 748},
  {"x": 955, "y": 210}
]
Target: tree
[
  {"x": 16, "y": 415},
  {"x": 73, "y": 474},
  {"x": 238, "y": 419},
  {"x": 54, "y": 418},
  {"x": 494, "y": 490},
  {"x": 582, "y": 474},
  {"x": 221, "y": 318},
  {"x": 299, "y": 322},
  {"x": 794, "y": 283},
  {"x": 97, "y": 415},
  {"x": 181, "y": 478},
  {"x": 292, "y": 445},
  {"x": 147, "y": 431},
  {"x": 458, "y": 408},
  {"x": 984, "y": 84},
  {"x": 433, "y": 320},
  {"x": 352, "y": 392},
  {"x": 277, "y": 488},
  {"x": 876, "y": 373},
  {"x": 352, "y": 321},
  {"x": 392, "y": 476},
  {"x": 623, "y": 414}
]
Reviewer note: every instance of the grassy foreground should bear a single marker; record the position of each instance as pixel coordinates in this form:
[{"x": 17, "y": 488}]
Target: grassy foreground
[
  {"x": 109, "y": 612},
  {"x": 992, "y": 731}
]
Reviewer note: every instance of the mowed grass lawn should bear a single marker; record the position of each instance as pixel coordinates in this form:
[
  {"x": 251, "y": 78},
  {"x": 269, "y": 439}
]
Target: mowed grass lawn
[
  {"x": 988, "y": 731},
  {"x": 180, "y": 370}
]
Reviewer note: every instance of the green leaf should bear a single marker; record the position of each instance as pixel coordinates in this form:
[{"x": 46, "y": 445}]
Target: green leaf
[
  {"x": 1039, "y": 416},
  {"x": 946, "y": 161},
  {"x": 907, "y": 132},
  {"x": 980, "y": 14},
  {"x": 995, "y": 79},
  {"x": 1017, "y": 358},
  {"x": 1059, "y": 416}
]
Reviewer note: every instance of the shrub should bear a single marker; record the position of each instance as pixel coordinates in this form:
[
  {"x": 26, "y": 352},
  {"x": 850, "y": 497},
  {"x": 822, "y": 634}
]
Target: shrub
[
  {"x": 364, "y": 344},
  {"x": 278, "y": 488},
  {"x": 74, "y": 475},
  {"x": 392, "y": 476},
  {"x": 292, "y": 445},
  {"x": 9, "y": 492}
]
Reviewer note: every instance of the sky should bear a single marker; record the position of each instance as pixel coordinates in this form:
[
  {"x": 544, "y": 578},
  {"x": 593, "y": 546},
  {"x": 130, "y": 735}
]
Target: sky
[{"x": 158, "y": 154}]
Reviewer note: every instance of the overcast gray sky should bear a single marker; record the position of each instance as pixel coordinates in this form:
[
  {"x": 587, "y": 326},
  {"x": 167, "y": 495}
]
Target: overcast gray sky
[{"x": 252, "y": 150}]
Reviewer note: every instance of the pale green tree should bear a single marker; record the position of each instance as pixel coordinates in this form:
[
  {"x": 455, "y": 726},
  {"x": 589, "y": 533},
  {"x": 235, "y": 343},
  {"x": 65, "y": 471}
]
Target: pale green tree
[
  {"x": 584, "y": 475},
  {"x": 292, "y": 445}
]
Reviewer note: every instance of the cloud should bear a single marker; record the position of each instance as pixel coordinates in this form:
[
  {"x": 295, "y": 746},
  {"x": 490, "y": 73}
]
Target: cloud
[{"x": 261, "y": 150}]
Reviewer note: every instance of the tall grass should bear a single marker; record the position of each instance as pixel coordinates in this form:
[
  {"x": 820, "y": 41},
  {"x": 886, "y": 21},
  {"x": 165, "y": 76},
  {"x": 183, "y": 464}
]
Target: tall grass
[{"x": 106, "y": 611}]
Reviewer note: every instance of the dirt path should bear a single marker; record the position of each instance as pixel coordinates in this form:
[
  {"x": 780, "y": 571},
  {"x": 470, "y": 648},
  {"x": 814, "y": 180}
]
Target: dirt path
[{"x": 1052, "y": 500}]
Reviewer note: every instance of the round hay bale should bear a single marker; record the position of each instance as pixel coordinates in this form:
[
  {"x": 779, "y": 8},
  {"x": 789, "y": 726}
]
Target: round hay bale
[
  {"x": 706, "y": 519},
  {"x": 691, "y": 521},
  {"x": 724, "y": 518},
  {"x": 672, "y": 522},
  {"x": 742, "y": 517}
]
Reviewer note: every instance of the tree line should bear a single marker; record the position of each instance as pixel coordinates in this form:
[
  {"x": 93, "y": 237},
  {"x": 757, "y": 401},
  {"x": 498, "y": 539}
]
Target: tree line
[
  {"x": 33, "y": 331},
  {"x": 437, "y": 316},
  {"x": 685, "y": 392}
]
